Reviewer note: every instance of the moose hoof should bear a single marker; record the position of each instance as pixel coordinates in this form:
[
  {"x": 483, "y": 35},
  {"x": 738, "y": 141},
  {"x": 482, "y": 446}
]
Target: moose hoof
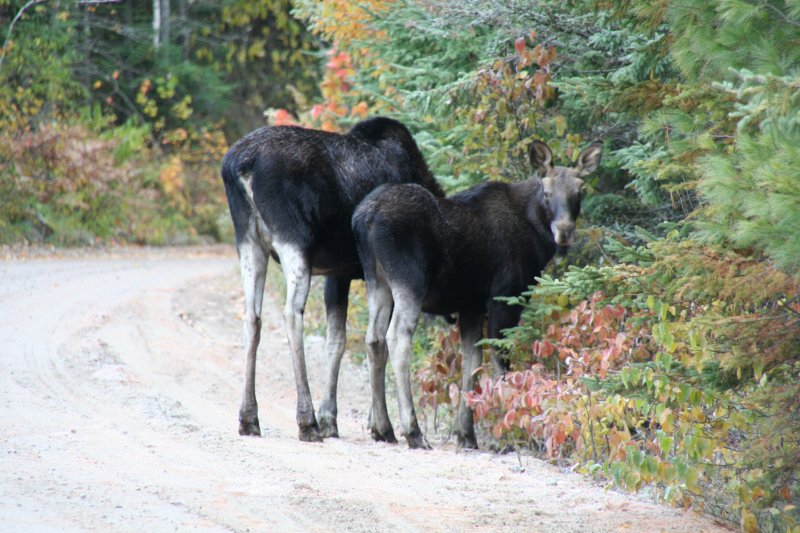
[
  {"x": 249, "y": 427},
  {"x": 501, "y": 449},
  {"x": 468, "y": 442},
  {"x": 384, "y": 436},
  {"x": 416, "y": 440},
  {"x": 309, "y": 434},
  {"x": 328, "y": 427}
]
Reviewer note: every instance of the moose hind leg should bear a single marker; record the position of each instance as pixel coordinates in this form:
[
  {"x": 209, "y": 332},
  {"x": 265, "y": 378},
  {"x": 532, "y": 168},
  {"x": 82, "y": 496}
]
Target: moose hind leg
[
  {"x": 297, "y": 270},
  {"x": 336, "y": 290},
  {"x": 253, "y": 265},
  {"x": 379, "y": 299},
  {"x": 401, "y": 329}
]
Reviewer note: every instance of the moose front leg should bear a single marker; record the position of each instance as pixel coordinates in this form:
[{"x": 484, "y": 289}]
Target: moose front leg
[
  {"x": 501, "y": 316},
  {"x": 471, "y": 326},
  {"x": 336, "y": 290}
]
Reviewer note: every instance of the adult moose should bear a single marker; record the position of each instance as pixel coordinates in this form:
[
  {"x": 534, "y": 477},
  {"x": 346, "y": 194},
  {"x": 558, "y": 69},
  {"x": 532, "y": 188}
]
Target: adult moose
[
  {"x": 456, "y": 255},
  {"x": 292, "y": 192}
]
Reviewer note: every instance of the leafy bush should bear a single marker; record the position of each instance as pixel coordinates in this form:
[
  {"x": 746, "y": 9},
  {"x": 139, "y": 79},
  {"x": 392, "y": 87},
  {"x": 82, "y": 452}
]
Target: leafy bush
[
  {"x": 68, "y": 185},
  {"x": 682, "y": 376},
  {"x": 81, "y": 81},
  {"x": 439, "y": 375},
  {"x": 677, "y": 379}
]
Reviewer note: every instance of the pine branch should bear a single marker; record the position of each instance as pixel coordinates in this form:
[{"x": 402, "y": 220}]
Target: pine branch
[{"x": 781, "y": 14}]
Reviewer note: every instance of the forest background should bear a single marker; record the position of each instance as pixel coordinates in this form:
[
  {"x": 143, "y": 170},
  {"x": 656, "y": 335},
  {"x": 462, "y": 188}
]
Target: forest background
[{"x": 663, "y": 355}]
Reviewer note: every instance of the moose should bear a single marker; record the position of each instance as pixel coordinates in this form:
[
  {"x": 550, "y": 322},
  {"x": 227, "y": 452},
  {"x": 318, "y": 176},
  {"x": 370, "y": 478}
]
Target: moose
[
  {"x": 291, "y": 193},
  {"x": 456, "y": 255}
]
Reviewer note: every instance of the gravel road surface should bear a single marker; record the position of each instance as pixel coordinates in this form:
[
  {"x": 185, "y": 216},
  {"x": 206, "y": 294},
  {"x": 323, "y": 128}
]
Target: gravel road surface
[{"x": 120, "y": 380}]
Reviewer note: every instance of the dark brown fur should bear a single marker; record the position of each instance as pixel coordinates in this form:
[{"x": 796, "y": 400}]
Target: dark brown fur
[
  {"x": 291, "y": 193},
  {"x": 457, "y": 255}
]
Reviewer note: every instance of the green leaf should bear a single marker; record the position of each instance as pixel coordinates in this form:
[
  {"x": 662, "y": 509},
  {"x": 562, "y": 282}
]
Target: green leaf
[{"x": 632, "y": 479}]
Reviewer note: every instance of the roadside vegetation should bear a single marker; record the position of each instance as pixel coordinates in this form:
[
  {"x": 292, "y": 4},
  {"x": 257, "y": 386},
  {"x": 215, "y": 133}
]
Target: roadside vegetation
[
  {"x": 112, "y": 126},
  {"x": 663, "y": 354}
]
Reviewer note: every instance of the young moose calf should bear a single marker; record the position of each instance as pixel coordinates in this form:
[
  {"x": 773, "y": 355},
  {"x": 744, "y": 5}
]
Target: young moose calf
[{"x": 457, "y": 255}]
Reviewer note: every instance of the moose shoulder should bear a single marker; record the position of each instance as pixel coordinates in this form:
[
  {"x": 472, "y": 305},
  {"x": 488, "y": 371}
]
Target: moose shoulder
[
  {"x": 457, "y": 255},
  {"x": 291, "y": 193}
]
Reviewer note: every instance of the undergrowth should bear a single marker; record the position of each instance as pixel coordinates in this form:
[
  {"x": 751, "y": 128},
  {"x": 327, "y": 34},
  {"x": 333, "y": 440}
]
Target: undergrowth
[
  {"x": 686, "y": 388},
  {"x": 71, "y": 184}
]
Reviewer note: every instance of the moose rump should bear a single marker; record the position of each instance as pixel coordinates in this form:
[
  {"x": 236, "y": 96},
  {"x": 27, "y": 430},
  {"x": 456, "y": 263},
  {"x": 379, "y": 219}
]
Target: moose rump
[
  {"x": 292, "y": 192},
  {"x": 456, "y": 255}
]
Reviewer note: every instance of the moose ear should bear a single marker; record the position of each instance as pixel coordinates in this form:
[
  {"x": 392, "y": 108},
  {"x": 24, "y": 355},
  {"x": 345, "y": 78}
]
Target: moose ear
[
  {"x": 541, "y": 157},
  {"x": 589, "y": 159}
]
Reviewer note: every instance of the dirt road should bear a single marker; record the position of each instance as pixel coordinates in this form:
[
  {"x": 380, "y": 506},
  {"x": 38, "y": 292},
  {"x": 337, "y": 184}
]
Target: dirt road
[{"x": 120, "y": 382}]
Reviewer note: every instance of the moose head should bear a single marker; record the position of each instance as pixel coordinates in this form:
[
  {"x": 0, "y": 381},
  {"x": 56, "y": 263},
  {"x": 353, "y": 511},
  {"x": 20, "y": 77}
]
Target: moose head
[{"x": 562, "y": 188}]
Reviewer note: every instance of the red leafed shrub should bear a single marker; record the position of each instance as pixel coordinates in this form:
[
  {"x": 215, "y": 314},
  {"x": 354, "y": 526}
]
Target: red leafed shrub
[
  {"x": 590, "y": 339},
  {"x": 528, "y": 406},
  {"x": 439, "y": 379},
  {"x": 544, "y": 404}
]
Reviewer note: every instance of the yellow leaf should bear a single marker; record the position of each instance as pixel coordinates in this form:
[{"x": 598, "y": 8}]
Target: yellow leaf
[
  {"x": 666, "y": 420},
  {"x": 171, "y": 177},
  {"x": 749, "y": 524},
  {"x": 510, "y": 131},
  {"x": 561, "y": 125}
]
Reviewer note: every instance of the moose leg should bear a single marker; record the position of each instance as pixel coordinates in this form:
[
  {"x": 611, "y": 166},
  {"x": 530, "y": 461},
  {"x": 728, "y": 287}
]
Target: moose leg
[
  {"x": 297, "y": 271},
  {"x": 401, "y": 329},
  {"x": 501, "y": 316},
  {"x": 379, "y": 299},
  {"x": 336, "y": 290},
  {"x": 253, "y": 264},
  {"x": 471, "y": 326}
]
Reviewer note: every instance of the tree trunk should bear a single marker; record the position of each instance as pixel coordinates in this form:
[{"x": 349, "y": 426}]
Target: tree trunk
[
  {"x": 128, "y": 14},
  {"x": 156, "y": 24},
  {"x": 165, "y": 22},
  {"x": 184, "y": 31},
  {"x": 85, "y": 52}
]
